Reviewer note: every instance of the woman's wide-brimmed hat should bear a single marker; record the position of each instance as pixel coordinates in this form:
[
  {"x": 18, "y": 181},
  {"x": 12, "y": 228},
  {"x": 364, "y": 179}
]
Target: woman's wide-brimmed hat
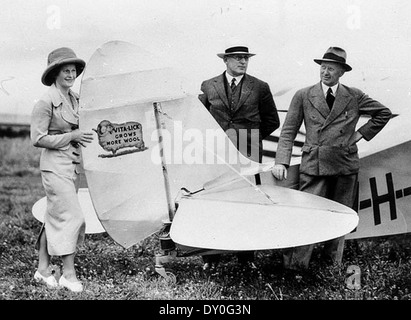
[
  {"x": 56, "y": 59},
  {"x": 336, "y": 55},
  {"x": 236, "y": 50}
]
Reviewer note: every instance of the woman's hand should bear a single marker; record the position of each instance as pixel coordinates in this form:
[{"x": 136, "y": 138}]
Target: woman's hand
[{"x": 81, "y": 137}]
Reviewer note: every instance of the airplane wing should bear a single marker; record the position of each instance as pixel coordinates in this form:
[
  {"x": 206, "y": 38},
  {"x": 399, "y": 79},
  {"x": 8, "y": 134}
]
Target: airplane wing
[{"x": 242, "y": 216}]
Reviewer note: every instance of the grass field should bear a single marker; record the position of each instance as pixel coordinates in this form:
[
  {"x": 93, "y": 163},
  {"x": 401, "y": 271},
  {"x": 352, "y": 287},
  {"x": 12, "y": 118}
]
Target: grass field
[{"x": 110, "y": 272}]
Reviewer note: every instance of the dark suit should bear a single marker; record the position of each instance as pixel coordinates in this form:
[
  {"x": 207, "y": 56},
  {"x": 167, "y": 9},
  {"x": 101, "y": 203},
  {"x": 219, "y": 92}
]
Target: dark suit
[
  {"x": 330, "y": 163},
  {"x": 255, "y": 110}
]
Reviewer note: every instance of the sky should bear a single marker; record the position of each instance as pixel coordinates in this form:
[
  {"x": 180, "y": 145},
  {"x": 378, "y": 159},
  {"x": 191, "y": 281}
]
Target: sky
[{"x": 286, "y": 36}]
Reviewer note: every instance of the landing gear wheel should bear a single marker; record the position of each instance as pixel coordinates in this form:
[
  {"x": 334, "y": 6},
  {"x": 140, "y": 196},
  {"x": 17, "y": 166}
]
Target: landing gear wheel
[{"x": 171, "y": 277}]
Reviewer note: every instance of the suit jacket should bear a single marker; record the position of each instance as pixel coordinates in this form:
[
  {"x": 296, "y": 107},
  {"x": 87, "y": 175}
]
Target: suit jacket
[
  {"x": 329, "y": 147},
  {"x": 52, "y": 121},
  {"x": 255, "y": 110}
]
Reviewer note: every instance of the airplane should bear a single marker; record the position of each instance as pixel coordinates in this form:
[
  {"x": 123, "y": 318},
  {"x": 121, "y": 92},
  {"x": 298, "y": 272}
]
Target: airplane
[
  {"x": 160, "y": 152},
  {"x": 161, "y": 165}
]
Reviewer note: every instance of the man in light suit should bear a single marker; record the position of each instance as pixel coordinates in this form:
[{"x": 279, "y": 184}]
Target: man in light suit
[
  {"x": 244, "y": 108},
  {"x": 330, "y": 163}
]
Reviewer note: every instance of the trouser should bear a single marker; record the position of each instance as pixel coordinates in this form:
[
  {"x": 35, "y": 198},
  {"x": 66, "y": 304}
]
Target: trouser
[{"x": 341, "y": 189}]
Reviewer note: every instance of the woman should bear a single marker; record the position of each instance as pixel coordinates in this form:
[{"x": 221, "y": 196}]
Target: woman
[{"x": 54, "y": 127}]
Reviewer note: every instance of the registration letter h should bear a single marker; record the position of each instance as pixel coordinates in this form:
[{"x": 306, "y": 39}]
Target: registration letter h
[{"x": 379, "y": 199}]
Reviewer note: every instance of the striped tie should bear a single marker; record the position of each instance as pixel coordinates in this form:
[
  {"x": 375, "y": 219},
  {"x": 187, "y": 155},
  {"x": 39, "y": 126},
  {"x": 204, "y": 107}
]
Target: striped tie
[{"x": 233, "y": 84}]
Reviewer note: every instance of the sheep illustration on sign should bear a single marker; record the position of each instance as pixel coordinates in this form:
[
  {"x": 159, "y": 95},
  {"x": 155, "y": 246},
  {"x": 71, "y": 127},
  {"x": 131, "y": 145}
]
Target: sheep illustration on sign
[{"x": 113, "y": 136}]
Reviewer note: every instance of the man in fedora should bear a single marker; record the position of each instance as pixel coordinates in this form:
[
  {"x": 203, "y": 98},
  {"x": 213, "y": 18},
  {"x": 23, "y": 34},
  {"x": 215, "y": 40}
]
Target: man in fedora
[
  {"x": 239, "y": 101},
  {"x": 330, "y": 163},
  {"x": 244, "y": 108}
]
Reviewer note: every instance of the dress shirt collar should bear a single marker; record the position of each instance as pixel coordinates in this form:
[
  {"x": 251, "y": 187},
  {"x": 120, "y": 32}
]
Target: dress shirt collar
[
  {"x": 333, "y": 88},
  {"x": 230, "y": 78}
]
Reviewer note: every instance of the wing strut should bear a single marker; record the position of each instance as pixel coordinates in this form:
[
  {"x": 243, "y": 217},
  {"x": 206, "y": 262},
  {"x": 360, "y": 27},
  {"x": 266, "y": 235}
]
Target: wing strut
[
  {"x": 167, "y": 245},
  {"x": 160, "y": 124}
]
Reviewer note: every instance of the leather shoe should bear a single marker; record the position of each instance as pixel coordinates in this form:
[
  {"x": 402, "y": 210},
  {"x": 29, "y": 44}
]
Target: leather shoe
[
  {"x": 76, "y": 286},
  {"x": 50, "y": 281}
]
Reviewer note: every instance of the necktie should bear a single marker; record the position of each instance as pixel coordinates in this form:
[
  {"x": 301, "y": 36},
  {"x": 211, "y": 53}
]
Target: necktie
[
  {"x": 330, "y": 98},
  {"x": 233, "y": 84}
]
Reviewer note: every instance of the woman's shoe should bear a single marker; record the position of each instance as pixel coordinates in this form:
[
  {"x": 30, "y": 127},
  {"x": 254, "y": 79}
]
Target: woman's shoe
[
  {"x": 50, "y": 281},
  {"x": 76, "y": 286}
]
